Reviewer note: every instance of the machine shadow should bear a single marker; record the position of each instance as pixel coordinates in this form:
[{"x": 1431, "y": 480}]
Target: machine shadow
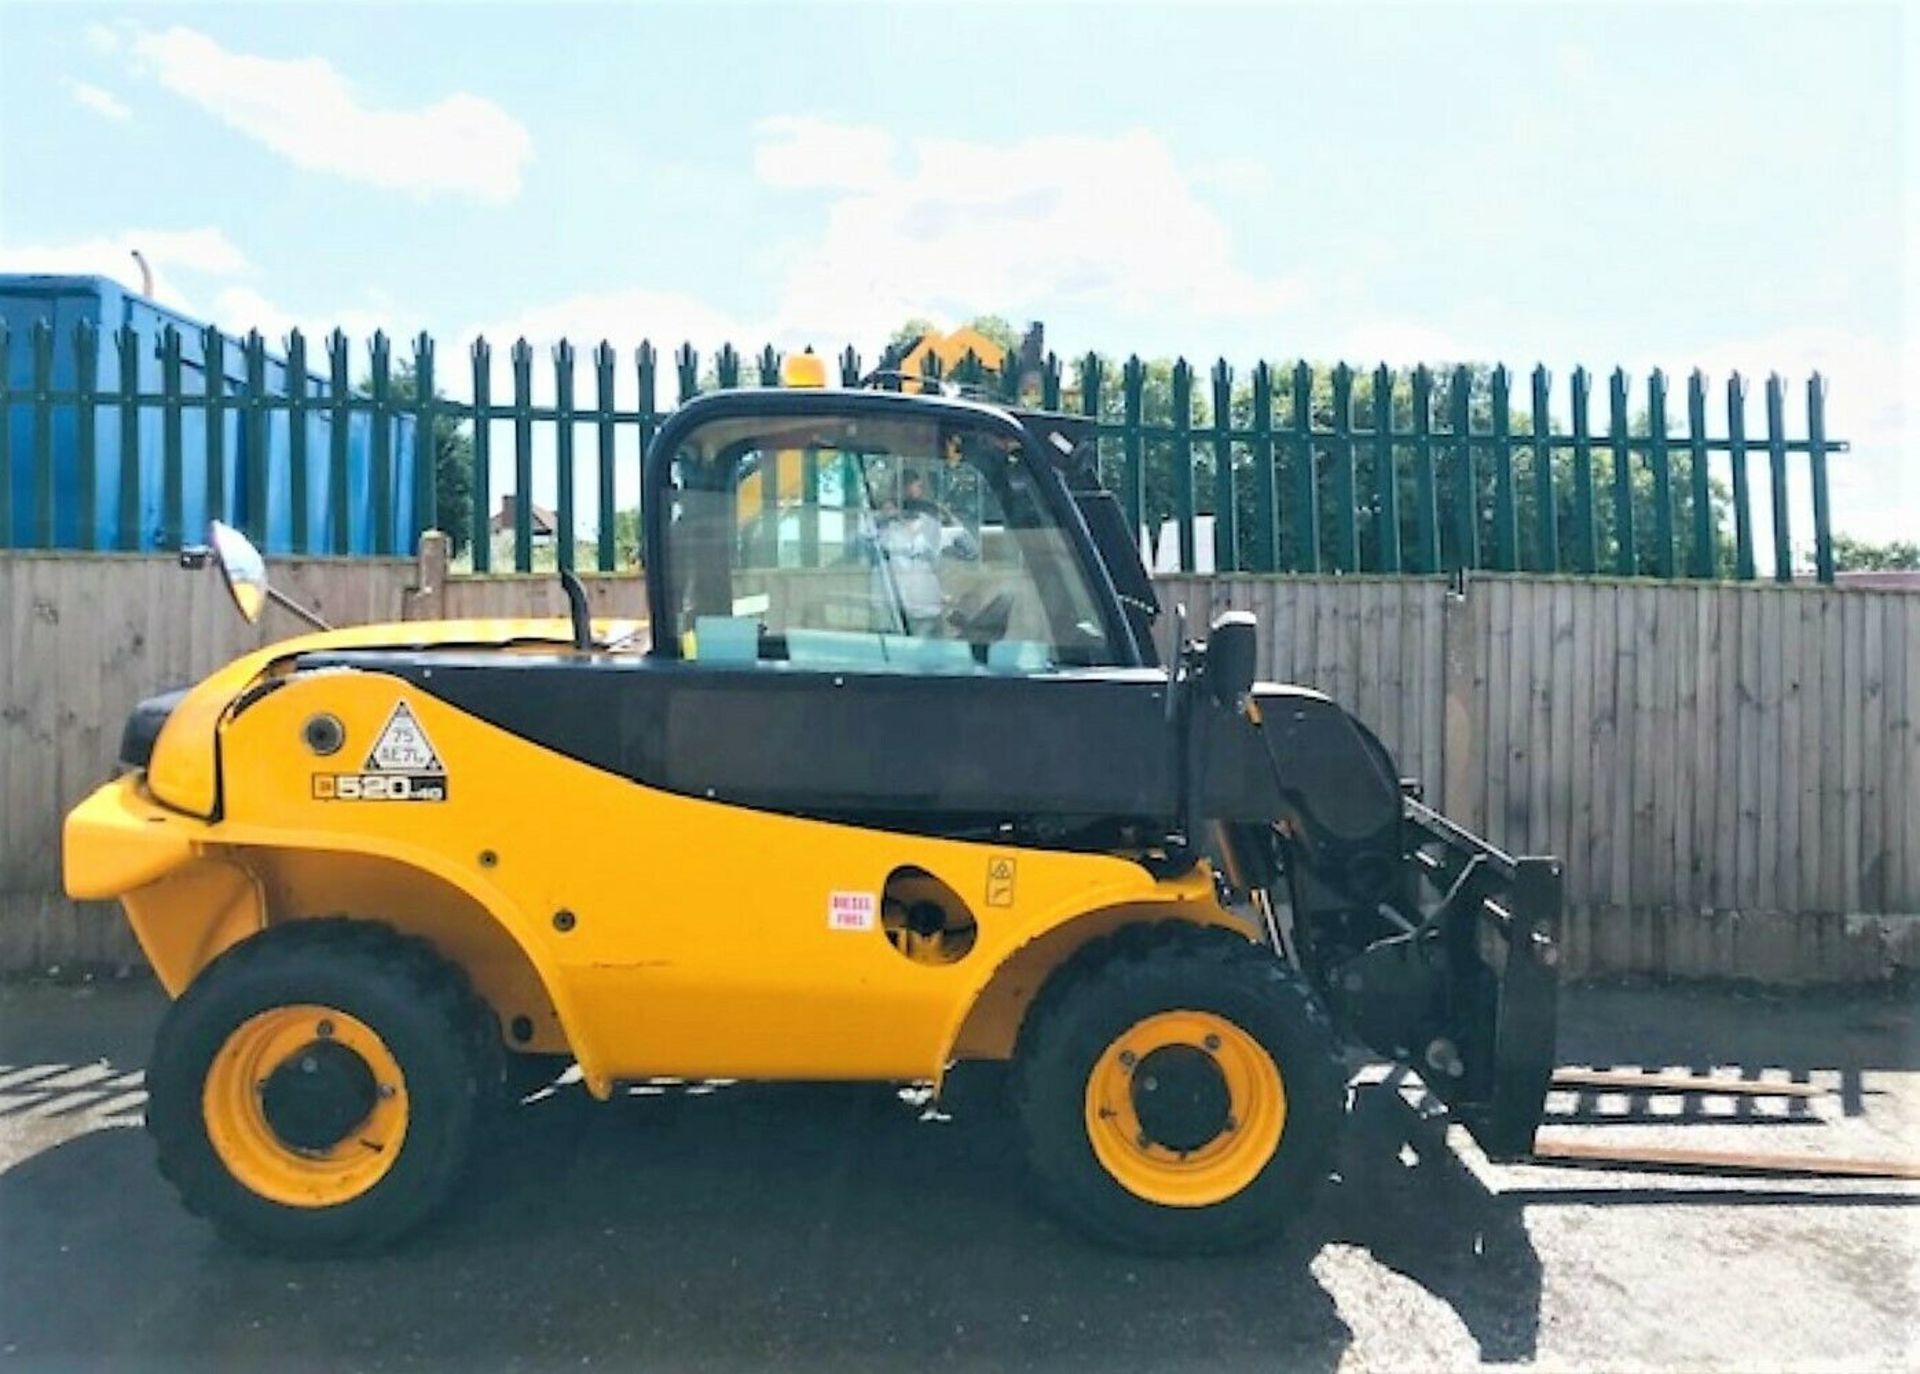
[
  {"x": 1407, "y": 1199},
  {"x": 806, "y": 1225}
]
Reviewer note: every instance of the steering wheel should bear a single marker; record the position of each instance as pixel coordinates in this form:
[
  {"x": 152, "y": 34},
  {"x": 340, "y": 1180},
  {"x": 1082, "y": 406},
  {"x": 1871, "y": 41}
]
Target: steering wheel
[{"x": 985, "y": 624}]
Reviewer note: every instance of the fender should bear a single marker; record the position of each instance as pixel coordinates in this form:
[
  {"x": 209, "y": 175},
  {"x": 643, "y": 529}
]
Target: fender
[
  {"x": 988, "y": 1023},
  {"x": 192, "y": 889}
]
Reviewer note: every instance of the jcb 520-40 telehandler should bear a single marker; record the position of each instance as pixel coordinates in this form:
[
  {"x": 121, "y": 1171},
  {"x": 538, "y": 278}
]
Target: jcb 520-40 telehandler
[{"x": 892, "y": 778}]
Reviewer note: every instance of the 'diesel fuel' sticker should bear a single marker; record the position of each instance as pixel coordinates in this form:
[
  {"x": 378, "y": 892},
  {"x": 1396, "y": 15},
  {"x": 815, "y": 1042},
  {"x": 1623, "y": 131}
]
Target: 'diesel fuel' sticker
[
  {"x": 402, "y": 766},
  {"x": 851, "y": 910}
]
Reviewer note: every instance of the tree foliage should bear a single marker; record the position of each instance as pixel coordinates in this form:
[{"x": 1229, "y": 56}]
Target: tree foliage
[
  {"x": 1161, "y": 472},
  {"x": 452, "y": 459},
  {"x": 1858, "y": 555}
]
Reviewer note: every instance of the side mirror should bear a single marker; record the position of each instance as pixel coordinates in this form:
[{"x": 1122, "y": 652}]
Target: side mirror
[
  {"x": 242, "y": 568},
  {"x": 245, "y": 573},
  {"x": 1233, "y": 643}
]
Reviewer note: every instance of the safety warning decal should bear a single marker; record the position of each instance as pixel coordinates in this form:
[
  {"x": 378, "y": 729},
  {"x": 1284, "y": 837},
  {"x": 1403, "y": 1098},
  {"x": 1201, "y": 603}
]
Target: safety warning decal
[
  {"x": 851, "y": 910},
  {"x": 403, "y": 746},
  {"x": 1000, "y": 880},
  {"x": 402, "y": 766}
]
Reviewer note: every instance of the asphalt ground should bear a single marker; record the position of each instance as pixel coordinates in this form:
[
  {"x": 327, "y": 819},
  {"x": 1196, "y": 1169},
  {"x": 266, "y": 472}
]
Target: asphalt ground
[{"x": 842, "y": 1228}]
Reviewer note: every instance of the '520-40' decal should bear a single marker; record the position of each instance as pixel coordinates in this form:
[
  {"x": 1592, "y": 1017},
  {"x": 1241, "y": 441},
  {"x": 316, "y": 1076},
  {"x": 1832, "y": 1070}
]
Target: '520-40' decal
[{"x": 418, "y": 787}]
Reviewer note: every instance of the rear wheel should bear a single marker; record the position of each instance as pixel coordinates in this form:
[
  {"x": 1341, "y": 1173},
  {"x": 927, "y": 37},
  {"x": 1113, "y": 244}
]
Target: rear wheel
[
  {"x": 314, "y": 1090},
  {"x": 1180, "y": 1090}
]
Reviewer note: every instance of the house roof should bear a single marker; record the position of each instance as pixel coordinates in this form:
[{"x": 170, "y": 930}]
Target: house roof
[
  {"x": 951, "y": 349},
  {"x": 544, "y": 520}
]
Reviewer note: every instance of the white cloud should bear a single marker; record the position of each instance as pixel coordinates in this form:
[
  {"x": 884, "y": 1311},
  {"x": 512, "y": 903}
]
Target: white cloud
[
  {"x": 1235, "y": 174},
  {"x": 238, "y": 309},
  {"x": 624, "y": 318},
  {"x": 1039, "y": 228},
  {"x": 795, "y": 152},
  {"x": 102, "y": 37},
  {"x": 1876, "y": 485},
  {"x": 100, "y": 101},
  {"x": 203, "y": 253},
  {"x": 1043, "y": 226},
  {"x": 1403, "y": 343},
  {"x": 306, "y": 111}
]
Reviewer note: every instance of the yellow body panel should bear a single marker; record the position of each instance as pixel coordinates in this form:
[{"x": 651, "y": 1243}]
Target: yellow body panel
[
  {"x": 118, "y": 840},
  {"x": 182, "y": 772},
  {"x": 647, "y": 932}
]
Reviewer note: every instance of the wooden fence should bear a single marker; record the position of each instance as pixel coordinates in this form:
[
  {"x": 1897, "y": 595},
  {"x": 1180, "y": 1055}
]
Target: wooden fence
[{"x": 1728, "y": 770}]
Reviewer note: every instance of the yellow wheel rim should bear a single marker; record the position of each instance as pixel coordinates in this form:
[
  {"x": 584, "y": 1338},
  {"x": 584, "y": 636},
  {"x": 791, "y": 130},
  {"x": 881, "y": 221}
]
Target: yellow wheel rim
[
  {"x": 305, "y": 1106},
  {"x": 1184, "y": 1109}
]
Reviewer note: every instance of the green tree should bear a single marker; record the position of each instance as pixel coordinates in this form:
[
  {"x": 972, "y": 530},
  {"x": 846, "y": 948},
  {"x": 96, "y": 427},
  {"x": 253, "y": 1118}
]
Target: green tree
[
  {"x": 909, "y": 333},
  {"x": 1161, "y": 469},
  {"x": 999, "y": 329},
  {"x": 452, "y": 459},
  {"x": 1857, "y": 555}
]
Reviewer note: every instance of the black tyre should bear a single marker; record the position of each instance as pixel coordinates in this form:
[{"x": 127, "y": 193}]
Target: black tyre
[
  {"x": 315, "y": 1089},
  {"x": 1179, "y": 1090}
]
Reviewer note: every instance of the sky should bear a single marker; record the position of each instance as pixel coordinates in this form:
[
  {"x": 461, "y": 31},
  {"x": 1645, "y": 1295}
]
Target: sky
[{"x": 1680, "y": 185}]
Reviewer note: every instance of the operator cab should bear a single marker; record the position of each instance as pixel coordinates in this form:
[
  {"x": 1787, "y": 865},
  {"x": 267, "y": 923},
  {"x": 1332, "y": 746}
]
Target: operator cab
[{"x": 874, "y": 533}]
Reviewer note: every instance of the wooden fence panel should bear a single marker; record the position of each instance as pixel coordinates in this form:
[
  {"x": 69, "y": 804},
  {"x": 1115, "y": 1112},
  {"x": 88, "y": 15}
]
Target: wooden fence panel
[
  {"x": 1728, "y": 770},
  {"x": 87, "y": 636}
]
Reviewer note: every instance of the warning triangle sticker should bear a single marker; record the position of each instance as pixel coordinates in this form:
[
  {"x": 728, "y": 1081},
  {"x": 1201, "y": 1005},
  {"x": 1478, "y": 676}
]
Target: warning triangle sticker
[{"x": 403, "y": 746}]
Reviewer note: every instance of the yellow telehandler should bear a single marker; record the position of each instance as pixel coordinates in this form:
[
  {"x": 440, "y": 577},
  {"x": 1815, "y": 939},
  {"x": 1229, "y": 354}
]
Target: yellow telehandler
[{"x": 867, "y": 796}]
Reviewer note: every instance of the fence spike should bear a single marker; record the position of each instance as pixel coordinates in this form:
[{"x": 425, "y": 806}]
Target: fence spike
[
  {"x": 1702, "y": 554},
  {"x": 1661, "y": 462},
  {"x": 1306, "y": 501},
  {"x": 1386, "y": 473},
  {"x": 127, "y": 532},
  {"x": 1266, "y": 515},
  {"x": 481, "y": 517},
  {"x": 1426, "y": 494},
  {"x": 1506, "y": 518},
  {"x": 1626, "y": 544},
  {"x": 256, "y": 500},
  {"x": 1226, "y": 508},
  {"x": 85, "y": 340},
  {"x": 1346, "y": 532},
  {"x": 1183, "y": 485},
  {"x": 297, "y": 456},
  {"x": 1466, "y": 477},
  {"x": 606, "y": 554},
  {"x": 1777, "y": 472},
  {"x": 522, "y": 359},
  {"x": 1817, "y": 471},
  {"x": 1546, "y": 502},
  {"x": 563, "y": 417},
  {"x": 687, "y": 365},
  {"x": 1133, "y": 378}
]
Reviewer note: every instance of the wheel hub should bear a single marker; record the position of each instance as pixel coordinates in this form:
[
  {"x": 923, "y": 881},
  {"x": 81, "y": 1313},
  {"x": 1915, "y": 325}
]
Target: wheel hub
[
  {"x": 1181, "y": 1098},
  {"x": 318, "y": 1095}
]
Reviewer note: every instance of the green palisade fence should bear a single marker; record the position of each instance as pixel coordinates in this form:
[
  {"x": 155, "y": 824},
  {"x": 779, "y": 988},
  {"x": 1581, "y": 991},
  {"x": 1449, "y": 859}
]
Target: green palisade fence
[{"x": 1296, "y": 469}]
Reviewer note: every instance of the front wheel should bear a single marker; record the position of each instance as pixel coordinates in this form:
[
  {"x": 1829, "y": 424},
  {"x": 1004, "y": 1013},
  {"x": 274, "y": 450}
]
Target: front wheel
[
  {"x": 1180, "y": 1090},
  {"x": 315, "y": 1089}
]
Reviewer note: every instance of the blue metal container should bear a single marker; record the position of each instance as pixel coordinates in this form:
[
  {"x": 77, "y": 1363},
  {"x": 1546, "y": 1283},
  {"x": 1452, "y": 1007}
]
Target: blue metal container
[{"x": 66, "y": 302}]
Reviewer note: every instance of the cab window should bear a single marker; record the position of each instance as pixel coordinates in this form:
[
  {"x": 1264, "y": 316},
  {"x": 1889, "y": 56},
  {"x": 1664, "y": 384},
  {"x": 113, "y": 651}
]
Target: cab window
[{"x": 872, "y": 544}]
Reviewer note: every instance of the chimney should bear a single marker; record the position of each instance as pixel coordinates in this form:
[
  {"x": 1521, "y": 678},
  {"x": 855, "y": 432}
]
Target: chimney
[{"x": 1033, "y": 348}]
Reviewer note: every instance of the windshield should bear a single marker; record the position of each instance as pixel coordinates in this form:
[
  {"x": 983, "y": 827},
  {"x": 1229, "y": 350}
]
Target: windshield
[{"x": 878, "y": 543}]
